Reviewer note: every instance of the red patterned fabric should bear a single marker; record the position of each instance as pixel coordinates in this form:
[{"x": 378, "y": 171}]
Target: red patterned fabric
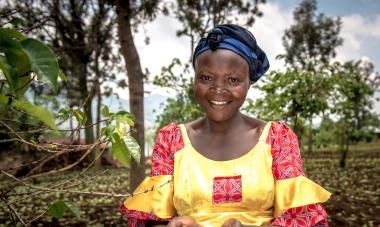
[
  {"x": 227, "y": 190},
  {"x": 138, "y": 218},
  {"x": 169, "y": 140},
  {"x": 286, "y": 155},
  {"x": 287, "y": 164},
  {"x": 305, "y": 216}
]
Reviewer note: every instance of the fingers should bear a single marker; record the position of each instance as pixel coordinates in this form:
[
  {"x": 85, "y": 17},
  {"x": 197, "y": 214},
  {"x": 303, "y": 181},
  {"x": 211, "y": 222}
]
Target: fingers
[
  {"x": 183, "y": 222},
  {"x": 232, "y": 223}
]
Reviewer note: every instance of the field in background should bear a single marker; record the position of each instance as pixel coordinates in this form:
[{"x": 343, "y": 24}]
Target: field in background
[{"x": 355, "y": 200}]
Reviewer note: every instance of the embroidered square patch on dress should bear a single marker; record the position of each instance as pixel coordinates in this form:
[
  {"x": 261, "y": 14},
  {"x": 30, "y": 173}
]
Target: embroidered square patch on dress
[{"x": 227, "y": 190}]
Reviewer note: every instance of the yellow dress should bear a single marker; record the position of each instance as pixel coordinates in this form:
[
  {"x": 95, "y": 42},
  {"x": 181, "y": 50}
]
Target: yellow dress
[{"x": 213, "y": 191}]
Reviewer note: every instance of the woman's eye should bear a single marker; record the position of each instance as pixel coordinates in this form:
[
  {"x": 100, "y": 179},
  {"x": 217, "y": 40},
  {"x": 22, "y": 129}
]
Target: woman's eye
[
  {"x": 204, "y": 77},
  {"x": 233, "y": 80}
]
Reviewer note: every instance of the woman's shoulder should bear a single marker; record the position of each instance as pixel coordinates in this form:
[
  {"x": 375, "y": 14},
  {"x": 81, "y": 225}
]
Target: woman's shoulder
[
  {"x": 194, "y": 125},
  {"x": 281, "y": 129},
  {"x": 170, "y": 133},
  {"x": 255, "y": 123},
  {"x": 169, "y": 127}
]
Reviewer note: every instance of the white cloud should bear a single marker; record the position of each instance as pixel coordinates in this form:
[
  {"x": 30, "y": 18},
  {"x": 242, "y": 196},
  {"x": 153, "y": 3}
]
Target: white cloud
[
  {"x": 356, "y": 31},
  {"x": 269, "y": 30}
]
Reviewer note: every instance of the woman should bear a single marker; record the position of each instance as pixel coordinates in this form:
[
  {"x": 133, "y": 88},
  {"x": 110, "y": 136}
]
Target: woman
[{"x": 227, "y": 169}]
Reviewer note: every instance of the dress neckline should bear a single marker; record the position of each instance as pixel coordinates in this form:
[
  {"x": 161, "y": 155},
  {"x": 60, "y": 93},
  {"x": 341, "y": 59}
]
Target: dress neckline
[{"x": 186, "y": 140}]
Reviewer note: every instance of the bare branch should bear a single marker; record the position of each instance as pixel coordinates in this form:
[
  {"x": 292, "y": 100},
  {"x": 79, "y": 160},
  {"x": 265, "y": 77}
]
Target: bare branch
[
  {"x": 10, "y": 13},
  {"x": 12, "y": 210},
  {"x": 38, "y": 25},
  {"x": 87, "y": 192}
]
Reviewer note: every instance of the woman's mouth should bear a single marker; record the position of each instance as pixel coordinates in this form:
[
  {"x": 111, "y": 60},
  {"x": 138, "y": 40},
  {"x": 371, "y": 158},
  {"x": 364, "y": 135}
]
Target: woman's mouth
[{"x": 219, "y": 103}]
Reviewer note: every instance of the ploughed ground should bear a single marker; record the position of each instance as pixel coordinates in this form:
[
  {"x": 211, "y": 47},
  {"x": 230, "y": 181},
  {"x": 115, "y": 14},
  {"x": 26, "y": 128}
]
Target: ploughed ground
[{"x": 355, "y": 200}]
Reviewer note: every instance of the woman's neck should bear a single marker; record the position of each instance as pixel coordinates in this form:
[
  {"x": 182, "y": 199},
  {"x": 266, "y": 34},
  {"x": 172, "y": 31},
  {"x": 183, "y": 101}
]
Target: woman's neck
[{"x": 224, "y": 127}]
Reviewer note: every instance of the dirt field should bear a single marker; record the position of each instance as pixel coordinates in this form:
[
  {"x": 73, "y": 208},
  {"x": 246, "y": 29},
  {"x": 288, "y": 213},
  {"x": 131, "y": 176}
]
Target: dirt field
[{"x": 355, "y": 200}]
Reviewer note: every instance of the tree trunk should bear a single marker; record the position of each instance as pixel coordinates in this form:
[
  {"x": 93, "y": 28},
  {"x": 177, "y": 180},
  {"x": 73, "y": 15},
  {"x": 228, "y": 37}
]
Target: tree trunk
[
  {"x": 310, "y": 138},
  {"x": 98, "y": 95},
  {"x": 136, "y": 86},
  {"x": 342, "y": 161},
  {"x": 89, "y": 131},
  {"x": 344, "y": 148}
]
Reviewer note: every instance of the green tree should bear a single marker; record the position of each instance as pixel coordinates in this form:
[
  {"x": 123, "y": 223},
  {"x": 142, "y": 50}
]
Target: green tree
[
  {"x": 183, "y": 107},
  {"x": 131, "y": 14},
  {"x": 352, "y": 102},
  {"x": 309, "y": 46},
  {"x": 81, "y": 31},
  {"x": 292, "y": 96},
  {"x": 198, "y": 17}
]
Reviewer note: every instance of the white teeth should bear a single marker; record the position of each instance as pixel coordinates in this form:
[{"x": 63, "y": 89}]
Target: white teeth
[{"x": 218, "y": 103}]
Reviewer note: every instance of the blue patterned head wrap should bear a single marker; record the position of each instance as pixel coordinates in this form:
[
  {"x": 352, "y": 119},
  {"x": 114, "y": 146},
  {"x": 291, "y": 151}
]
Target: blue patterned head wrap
[{"x": 239, "y": 40}]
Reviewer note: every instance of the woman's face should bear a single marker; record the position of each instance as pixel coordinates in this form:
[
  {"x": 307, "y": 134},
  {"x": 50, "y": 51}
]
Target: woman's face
[{"x": 221, "y": 83}]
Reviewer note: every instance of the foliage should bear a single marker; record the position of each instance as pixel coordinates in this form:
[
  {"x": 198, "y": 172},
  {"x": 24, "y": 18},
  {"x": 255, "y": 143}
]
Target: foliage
[
  {"x": 292, "y": 95},
  {"x": 58, "y": 207},
  {"x": 123, "y": 145},
  {"x": 353, "y": 102},
  {"x": 184, "y": 107},
  {"x": 21, "y": 59},
  {"x": 81, "y": 33},
  {"x": 311, "y": 41},
  {"x": 38, "y": 59},
  {"x": 301, "y": 92},
  {"x": 198, "y": 17}
]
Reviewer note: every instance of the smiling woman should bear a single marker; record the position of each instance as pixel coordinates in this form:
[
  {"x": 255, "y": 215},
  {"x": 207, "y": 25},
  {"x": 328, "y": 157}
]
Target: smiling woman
[{"x": 227, "y": 169}]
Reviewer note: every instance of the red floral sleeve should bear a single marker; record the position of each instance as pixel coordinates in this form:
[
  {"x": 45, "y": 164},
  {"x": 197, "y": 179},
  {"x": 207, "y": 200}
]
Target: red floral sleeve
[
  {"x": 168, "y": 142},
  {"x": 287, "y": 164}
]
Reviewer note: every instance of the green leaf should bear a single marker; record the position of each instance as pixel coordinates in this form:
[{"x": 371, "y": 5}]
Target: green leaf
[
  {"x": 43, "y": 61},
  {"x": 126, "y": 113},
  {"x": 13, "y": 33},
  {"x": 121, "y": 127},
  {"x": 23, "y": 83},
  {"x": 62, "y": 75},
  {"x": 39, "y": 112},
  {"x": 120, "y": 150},
  {"x": 9, "y": 73},
  {"x": 105, "y": 111},
  {"x": 15, "y": 21},
  {"x": 11, "y": 47},
  {"x": 57, "y": 208},
  {"x": 7, "y": 40},
  {"x": 104, "y": 131},
  {"x": 3, "y": 99},
  {"x": 133, "y": 148},
  {"x": 126, "y": 117},
  {"x": 107, "y": 131},
  {"x": 80, "y": 116},
  {"x": 64, "y": 113},
  {"x": 72, "y": 208}
]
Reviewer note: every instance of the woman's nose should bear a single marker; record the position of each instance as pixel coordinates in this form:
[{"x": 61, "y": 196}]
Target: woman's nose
[{"x": 218, "y": 86}]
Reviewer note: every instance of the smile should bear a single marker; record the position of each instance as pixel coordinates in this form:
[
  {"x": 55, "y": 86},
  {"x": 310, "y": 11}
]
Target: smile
[{"x": 219, "y": 103}]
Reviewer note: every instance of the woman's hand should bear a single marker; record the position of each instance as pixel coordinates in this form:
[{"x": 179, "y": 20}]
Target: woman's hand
[
  {"x": 232, "y": 223},
  {"x": 185, "y": 221},
  {"x": 235, "y": 223}
]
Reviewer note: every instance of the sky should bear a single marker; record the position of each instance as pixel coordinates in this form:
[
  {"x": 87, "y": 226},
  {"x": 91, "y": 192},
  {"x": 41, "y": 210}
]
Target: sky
[{"x": 360, "y": 32}]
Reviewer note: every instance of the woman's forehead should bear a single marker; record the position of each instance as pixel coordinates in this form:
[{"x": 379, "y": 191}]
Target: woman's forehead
[{"x": 220, "y": 56}]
